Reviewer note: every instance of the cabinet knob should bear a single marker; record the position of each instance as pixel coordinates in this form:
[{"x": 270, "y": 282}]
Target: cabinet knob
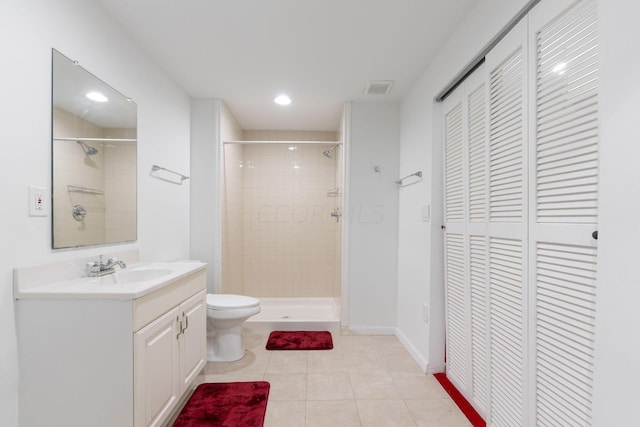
[{"x": 595, "y": 235}]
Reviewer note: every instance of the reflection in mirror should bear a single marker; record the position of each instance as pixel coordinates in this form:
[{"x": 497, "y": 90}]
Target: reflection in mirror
[{"x": 94, "y": 133}]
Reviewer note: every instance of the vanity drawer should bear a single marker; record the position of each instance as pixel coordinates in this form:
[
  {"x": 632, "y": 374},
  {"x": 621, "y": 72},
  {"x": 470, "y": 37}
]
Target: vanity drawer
[{"x": 148, "y": 308}]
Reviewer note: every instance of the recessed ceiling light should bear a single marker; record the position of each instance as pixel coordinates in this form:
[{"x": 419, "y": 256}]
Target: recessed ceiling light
[
  {"x": 97, "y": 96},
  {"x": 282, "y": 100}
]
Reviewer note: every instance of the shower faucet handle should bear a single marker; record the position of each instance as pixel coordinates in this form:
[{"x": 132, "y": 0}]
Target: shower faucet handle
[{"x": 336, "y": 214}]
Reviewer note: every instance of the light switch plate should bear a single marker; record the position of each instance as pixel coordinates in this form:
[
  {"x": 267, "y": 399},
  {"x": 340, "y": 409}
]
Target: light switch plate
[
  {"x": 426, "y": 213},
  {"x": 38, "y": 201}
]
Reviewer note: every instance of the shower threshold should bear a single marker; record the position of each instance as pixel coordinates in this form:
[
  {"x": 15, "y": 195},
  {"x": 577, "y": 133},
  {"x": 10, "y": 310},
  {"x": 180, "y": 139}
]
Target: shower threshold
[{"x": 294, "y": 314}]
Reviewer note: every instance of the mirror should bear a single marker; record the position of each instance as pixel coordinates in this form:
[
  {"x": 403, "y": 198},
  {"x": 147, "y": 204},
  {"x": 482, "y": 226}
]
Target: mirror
[{"x": 94, "y": 134}]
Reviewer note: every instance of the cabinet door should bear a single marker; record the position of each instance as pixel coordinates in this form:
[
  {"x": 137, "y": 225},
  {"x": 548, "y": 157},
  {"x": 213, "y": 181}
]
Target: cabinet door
[
  {"x": 156, "y": 358},
  {"x": 193, "y": 340}
]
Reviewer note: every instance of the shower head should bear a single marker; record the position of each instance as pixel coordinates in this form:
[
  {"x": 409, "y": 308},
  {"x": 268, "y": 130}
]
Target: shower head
[
  {"x": 88, "y": 150},
  {"x": 327, "y": 153}
]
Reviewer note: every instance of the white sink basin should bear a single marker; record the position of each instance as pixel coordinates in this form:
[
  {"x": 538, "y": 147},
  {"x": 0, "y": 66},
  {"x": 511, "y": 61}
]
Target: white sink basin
[
  {"x": 61, "y": 280},
  {"x": 131, "y": 276}
]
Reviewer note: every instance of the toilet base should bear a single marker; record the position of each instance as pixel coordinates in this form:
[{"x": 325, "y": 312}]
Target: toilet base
[{"x": 225, "y": 345}]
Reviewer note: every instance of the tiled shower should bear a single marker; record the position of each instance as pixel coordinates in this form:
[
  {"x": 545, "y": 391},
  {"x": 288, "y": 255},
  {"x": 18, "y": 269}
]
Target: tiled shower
[{"x": 279, "y": 238}]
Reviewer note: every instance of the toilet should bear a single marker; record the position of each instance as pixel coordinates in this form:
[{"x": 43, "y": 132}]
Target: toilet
[{"x": 225, "y": 315}]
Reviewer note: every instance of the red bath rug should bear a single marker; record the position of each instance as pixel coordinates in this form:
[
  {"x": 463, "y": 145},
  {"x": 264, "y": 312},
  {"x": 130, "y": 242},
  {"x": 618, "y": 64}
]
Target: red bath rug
[
  {"x": 300, "y": 340},
  {"x": 239, "y": 404}
]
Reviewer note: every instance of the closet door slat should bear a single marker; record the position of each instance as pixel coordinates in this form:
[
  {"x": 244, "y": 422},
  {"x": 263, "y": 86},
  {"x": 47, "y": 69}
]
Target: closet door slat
[
  {"x": 567, "y": 130},
  {"x": 565, "y": 333},
  {"x": 479, "y": 321},
  {"x": 477, "y": 158},
  {"x": 456, "y": 307},
  {"x": 454, "y": 191},
  {"x": 507, "y": 331},
  {"x": 506, "y": 138}
]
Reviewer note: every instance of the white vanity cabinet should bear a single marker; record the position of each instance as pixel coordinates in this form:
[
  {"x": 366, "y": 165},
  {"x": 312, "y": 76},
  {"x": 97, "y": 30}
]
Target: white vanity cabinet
[
  {"x": 95, "y": 359},
  {"x": 169, "y": 354}
]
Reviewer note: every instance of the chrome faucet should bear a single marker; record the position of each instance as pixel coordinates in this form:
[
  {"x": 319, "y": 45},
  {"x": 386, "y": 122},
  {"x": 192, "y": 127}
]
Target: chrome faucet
[{"x": 99, "y": 269}]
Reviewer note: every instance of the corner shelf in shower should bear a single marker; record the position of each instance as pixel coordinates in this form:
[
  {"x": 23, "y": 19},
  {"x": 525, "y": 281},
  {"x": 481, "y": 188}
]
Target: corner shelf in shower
[
  {"x": 84, "y": 190},
  {"x": 334, "y": 192}
]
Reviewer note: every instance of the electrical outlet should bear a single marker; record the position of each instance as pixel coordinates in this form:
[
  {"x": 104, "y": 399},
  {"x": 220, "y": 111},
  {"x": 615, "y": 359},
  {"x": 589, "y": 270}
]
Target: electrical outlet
[
  {"x": 38, "y": 201},
  {"x": 425, "y": 313}
]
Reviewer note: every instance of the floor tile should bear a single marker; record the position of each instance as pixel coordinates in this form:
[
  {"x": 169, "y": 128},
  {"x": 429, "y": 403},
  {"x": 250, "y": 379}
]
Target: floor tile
[
  {"x": 402, "y": 362},
  {"x": 228, "y": 378},
  {"x": 384, "y": 413},
  {"x": 331, "y": 386},
  {"x": 436, "y": 413},
  {"x": 374, "y": 385},
  {"x": 356, "y": 361},
  {"x": 326, "y": 361},
  {"x": 364, "y": 381},
  {"x": 287, "y": 362},
  {"x": 414, "y": 386},
  {"x": 289, "y": 413},
  {"x": 254, "y": 341},
  {"x": 332, "y": 413},
  {"x": 287, "y": 386}
]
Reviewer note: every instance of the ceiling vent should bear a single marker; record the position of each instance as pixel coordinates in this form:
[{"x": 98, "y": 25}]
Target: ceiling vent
[{"x": 378, "y": 87}]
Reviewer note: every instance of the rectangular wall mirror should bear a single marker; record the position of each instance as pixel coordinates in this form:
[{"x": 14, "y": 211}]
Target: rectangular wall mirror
[{"x": 94, "y": 134}]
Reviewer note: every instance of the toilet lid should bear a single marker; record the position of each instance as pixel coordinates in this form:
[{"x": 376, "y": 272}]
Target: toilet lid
[{"x": 227, "y": 301}]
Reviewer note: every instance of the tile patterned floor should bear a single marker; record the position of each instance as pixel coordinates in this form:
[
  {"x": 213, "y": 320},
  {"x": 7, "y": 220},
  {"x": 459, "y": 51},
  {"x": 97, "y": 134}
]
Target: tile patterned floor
[{"x": 365, "y": 381}]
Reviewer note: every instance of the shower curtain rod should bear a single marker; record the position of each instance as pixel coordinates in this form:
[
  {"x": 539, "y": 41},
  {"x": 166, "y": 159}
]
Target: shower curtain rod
[
  {"x": 284, "y": 142},
  {"x": 97, "y": 139}
]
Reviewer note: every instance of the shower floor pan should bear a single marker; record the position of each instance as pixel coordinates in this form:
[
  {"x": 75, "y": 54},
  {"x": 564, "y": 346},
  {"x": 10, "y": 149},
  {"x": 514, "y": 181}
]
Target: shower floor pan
[{"x": 296, "y": 314}]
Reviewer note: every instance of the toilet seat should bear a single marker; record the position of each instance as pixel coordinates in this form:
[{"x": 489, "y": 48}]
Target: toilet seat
[{"x": 230, "y": 301}]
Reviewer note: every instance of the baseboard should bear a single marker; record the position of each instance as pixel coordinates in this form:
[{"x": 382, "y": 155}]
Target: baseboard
[
  {"x": 435, "y": 368},
  {"x": 408, "y": 345},
  {"x": 372, "y": 330}
]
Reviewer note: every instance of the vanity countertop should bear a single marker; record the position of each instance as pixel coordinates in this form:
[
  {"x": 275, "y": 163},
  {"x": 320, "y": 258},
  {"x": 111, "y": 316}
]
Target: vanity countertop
[{"x": 126, "y": 284}]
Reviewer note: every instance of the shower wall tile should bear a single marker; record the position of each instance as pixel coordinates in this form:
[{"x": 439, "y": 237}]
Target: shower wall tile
[
  {"x": 73, "y": 167},
  {"x": 289, "y": 135},
  {"x": 289, "y": 237},
  {"x": 120, "y": 194},
  {"x": 111, "y": 170}
]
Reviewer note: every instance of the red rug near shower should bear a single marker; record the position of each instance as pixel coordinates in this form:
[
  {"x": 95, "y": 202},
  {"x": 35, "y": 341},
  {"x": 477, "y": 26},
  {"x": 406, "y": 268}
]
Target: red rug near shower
[
  {"x": 238, "y": 404},
  {"x": 300, "y": 340}
]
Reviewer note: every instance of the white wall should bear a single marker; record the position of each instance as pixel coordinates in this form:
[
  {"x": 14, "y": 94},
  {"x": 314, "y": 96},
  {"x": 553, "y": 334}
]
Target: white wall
[
  {"x": 373, "y": 217},
  {"x": 205, "y": 188},
  {"x": 617, "y": 370},
  {"x": 82, "y": 31},
  {"x": 420, "y": 266}
]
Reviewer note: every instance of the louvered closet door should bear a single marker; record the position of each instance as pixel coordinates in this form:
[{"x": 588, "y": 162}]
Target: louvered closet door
[
  {"x": 507, "y": 230},
  {"x": 475, "y": 97},
  {"x": 564, "y": 177},
  {"x": 456, "y": 257},
  {"x": 465, "y": 124}
]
